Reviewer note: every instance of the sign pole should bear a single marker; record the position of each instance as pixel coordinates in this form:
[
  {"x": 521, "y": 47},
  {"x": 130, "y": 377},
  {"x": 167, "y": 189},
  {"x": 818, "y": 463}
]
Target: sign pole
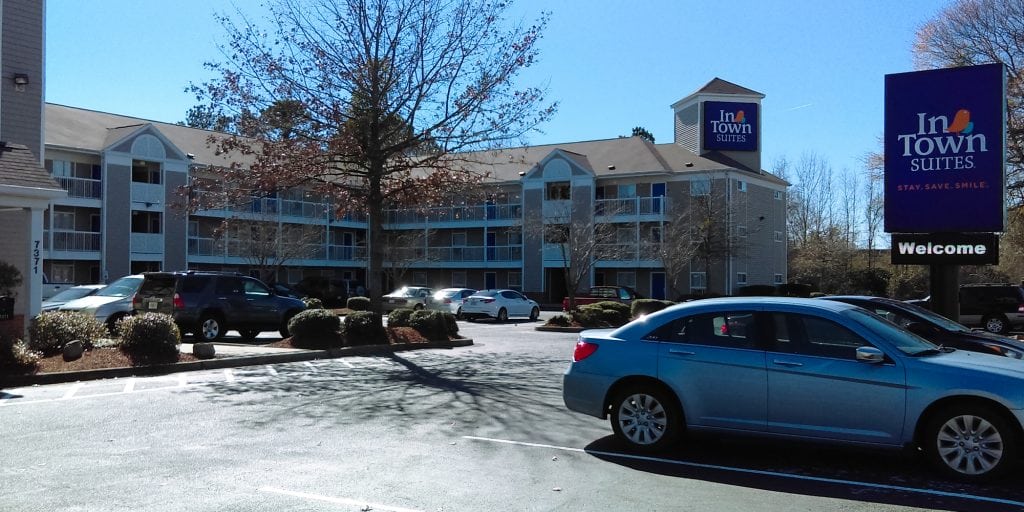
[{"x": 944, "y": 281}]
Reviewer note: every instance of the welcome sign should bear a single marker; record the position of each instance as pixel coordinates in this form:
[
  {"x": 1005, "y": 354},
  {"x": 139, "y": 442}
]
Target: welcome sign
[
  {"x": 944, "y": 157},
  {"x": 730, "y": 126}
]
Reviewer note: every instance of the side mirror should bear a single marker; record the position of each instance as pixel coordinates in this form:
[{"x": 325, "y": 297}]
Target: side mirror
[{"x": 870, "y": 355}]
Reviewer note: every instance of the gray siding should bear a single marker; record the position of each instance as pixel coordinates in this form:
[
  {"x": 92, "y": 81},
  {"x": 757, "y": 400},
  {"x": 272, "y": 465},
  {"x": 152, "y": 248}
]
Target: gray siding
[
  {"x": 117, "y": 236},
  {"x": 687, "y": 131},
  {"x": 533, "y": 240},
  {"x": 175, "y": 223},
  {"x": 22, "y": 52}
]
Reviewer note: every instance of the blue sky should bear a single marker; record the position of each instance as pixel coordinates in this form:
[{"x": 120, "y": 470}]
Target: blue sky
[{"x": 612, "y": 65}]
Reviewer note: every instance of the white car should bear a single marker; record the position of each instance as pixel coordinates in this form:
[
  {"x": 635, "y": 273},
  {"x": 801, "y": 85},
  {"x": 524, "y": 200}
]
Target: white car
[
  {"x": 412, "y": 297},
  {"x": 499, "y": 305},
  {"x": 111, "y": 303},
  {"x": 449, "y": 300},
  {"x": 75, "y": 292}
]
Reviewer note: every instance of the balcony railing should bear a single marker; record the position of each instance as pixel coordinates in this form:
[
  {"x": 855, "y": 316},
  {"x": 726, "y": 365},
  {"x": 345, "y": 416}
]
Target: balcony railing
[
  {"x": 630, "y": 207},
  {"x": 419, "y": 254},
  {"x": 645, "y": 251},
  {"x": 81, "y": 187},
  {"x": 218, "y": 247},
  {"x": 273, "y": 207},
  {"x": 73, "y": 241},
  {"x": 147, "y": 243},
  {"x": 455, "y": 214},
  {"x": 147, "y": 193}
]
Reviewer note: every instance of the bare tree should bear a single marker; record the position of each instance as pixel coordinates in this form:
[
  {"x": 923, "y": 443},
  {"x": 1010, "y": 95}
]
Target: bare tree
[
  {"x": 405, "y": 249},
  {"x": 381, "y": 99},
  {"x": 269, "y": 245},
  {"x": 971, "y": 32}
]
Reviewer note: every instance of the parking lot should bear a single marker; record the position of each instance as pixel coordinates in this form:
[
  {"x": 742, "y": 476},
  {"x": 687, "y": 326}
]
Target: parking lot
[{"x": 475, "y": 428}]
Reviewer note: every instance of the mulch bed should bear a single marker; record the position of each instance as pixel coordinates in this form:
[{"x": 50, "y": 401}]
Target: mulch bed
[{"x": 95, "y": 359}]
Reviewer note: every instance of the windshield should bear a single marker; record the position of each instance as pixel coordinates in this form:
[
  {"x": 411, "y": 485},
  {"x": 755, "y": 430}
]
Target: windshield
[
  {"x": 934, "y": 317},
  {"x": 71, "y": 294},
  {"x": 904, "y": 340},
  {"x": 121, "y": 288},
  {"x": 486, "y": 293}
]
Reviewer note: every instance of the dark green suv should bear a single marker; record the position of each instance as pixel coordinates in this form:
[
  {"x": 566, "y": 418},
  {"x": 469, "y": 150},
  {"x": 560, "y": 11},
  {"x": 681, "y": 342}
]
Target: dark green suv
[{"x": 208, "y": 304}]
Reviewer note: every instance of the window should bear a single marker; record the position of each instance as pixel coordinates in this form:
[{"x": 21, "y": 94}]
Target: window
[
  {"x": 627, "y": 191},
  {"x": 778, "y": 236},
  {"x": 729, "y": 330},
  {"x": 294, "y": 275},
  {"x": 145, "y": 172},
  {"x": 814, "y": 336},
  {"x": 146, "y": 222},
  {"x": 556, "y": 234},
  {"x": 559, "y": 191},
  {"x": 625, "y": 279},
  {"x": 741, "y": 186},
  {"x": 778, "y": 278},
  {"x": 741, "y": 231},
  {"x": 700, "y": 187},
  {"x": 459, "y": 278},
  {"x": 698, "y": 280},
  {"x": 63, "y": 221},
  {"x": 59, "y": 167},
  {"x": 515, "y": 238},
  {"x": 419, "y": 278},
  {"x": 229, "y": 285},
  {"x": 741, "y": 278},
  {"x": 778, "y": 195},
  {"x": 459, "y": 239},
  {"x": 655, "y": 234},
  {"x": 625, "y": 235},
  {"x": 255, "y": 288},
  {"x": 62, "y": 273},
  {"x": 193, "y": 228},
  {"x": 515, "y": 280}
]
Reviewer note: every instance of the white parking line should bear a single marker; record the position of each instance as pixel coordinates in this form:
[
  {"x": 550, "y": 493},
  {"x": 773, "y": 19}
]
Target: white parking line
[
  {"x": 271, "y": 370},
  {"x": 311, "y": 367},
  {"x": 182, "y": 380},
  {"x": 757, "y": 471},
  {"x": 129, "y": 386},
  {"x": 229, "y": 376},
  {"x": 346, "y": 363},
  {"x": 339, "y": 501},
  {"x": 70, "y": 393}
]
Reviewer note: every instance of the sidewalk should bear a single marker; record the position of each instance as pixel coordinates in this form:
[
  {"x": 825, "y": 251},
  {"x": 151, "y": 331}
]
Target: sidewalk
[{"x": 227, "y": 355}]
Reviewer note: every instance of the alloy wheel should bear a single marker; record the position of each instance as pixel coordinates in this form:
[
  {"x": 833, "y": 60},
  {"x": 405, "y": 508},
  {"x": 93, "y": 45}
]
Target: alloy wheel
[
  {"x": 969, "y": 444},
  {"x": 642, "y": 419}
]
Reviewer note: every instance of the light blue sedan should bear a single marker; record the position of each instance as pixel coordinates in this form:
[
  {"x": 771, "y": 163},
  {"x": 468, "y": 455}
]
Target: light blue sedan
[{"x": 804, "y": 369}]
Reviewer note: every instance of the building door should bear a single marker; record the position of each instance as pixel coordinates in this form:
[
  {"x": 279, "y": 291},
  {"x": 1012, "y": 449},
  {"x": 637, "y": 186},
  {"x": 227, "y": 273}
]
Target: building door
[
  {"x": 658, "y": 193},
  {"x": 555, "y": 285},
  {"x": 491, "y": 242},
  {"x": 658, "y": 285},
  {"x": 490, "y": 281}
]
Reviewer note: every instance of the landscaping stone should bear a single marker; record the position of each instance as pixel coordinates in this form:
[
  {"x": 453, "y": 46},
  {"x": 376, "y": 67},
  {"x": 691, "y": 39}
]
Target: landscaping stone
[
  {"x": 73, "y": 350},
  {"x": 204, "y": 350}
]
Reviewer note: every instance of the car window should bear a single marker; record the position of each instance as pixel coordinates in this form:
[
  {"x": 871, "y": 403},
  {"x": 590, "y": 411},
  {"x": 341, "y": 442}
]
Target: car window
[
  {"x": 255, "y": 288},
  {"x": 511, "y": 295},
  {"x": 815, "y": 336},
  {"x": 121, "y": 288},
  {"x": 229, "y": 285},
  {"x": 624, "y": 294},
  {"x": 731, "y": 330},
  {"x": 192, "y": 284}
]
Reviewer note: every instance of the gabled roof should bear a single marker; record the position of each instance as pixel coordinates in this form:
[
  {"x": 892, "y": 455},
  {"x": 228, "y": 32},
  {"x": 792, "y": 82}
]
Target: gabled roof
[
  {"x": 719, "y": 86},
  {"x": 20, "y": 168}
]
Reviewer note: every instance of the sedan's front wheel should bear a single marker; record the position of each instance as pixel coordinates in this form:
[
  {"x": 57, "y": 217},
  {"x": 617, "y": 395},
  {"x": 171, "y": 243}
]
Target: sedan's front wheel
[
  {"x": 646, "y": 417},
  {"x": 971, "y": 442}
]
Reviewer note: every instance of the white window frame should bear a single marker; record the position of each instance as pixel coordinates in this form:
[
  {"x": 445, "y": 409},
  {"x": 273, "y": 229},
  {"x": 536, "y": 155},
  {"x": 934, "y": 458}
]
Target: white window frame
[
  {"x": 456, "y": 236},
  {"x": 700, "y": 187},
  {"x": 459, "y": 279},
  {"x": 778, "y": 236},
  {"x": 741, "y": 278},
  {"x": 778, "y": 279},
  {"x": 741, "y": 231},
  {"x": 701, "y": 280},
  {"x": 778, "y": 195},
  {"x": 515, "y": 281},
  {"x": 62, "y": 272},
  {"x": 60, "y": 219},
  {"x": 741, "y": 186},
  {"x": 419, "y": 278},
  {"x": 625, "y": 278}
]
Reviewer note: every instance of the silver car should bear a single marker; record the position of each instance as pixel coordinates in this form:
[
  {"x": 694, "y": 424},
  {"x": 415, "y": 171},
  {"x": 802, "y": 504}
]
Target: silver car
[
  {"x": 75, "y": 292},
  {"x": 799, "y": 369},
  {"x": 449, "y": 300},
  {"x": 111, "y": 303}
]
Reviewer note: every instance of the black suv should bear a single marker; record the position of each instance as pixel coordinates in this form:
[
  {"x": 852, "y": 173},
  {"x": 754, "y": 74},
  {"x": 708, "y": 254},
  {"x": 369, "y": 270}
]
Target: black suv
[
  {"x": 994, "y": 307},
  {"x": 208, "y": 304}
]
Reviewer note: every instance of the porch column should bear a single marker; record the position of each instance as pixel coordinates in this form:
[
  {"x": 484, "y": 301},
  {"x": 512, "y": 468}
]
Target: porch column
[{"x": 32, "y": 281}]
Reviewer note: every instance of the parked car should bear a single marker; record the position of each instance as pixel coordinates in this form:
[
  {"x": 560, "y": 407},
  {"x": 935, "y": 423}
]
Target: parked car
[
  {"x": 285, "y": 291},
  {"x": 995, "y": 307},
  {"x": 935, "y": 327},
  {"x": 810, "y": 369},
  {"x": 208, "y": 304},
  {"x": 623, "y": 294},
  {"x": 75, "y": 292},
  {"x": 110, "y": 303},
  {"x": 333, "y": 292},
  {"x": 499, "y": 305},
  {"x": 449, "y": 300},
  {"x": 414, "y": 297}
]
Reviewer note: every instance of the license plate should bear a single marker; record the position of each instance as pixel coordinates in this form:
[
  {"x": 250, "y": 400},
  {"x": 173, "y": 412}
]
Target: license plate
[{"x": 154, "y": 305}]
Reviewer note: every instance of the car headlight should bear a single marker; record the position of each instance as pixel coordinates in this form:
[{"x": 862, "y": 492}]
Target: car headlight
[{"x": 1005, "y": 351}]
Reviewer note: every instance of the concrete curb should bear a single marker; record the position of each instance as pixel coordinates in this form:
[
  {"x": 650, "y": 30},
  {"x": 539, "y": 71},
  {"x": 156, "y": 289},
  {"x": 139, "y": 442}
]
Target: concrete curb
[
  {"x": 224, "y": 362},
  {"x": 549, "y": 328}
]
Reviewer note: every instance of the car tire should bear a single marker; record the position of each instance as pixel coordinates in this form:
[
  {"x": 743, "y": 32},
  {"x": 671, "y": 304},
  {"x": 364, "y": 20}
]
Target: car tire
[
  {"x": 284, "y": 325},
  {"x": 995, "y": 324},
  {"x": 973, "y": 442},
  {"x": 534, "y": 314},
  {"x": 502, "y": 315},
  {"x": 458, "y": 314},
  {"x": 646, "y": 417},
  {"x": 249, "y": 334},
  {"x": 417, "y": 307},
  {"x": 211, "y": 327}
]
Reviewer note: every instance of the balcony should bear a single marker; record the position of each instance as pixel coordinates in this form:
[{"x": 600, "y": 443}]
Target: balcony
[
  {"x": 72, "y": 241},
  {"x": 415, "y": 256},
  {"x": 234, "y": 248},
  {"x": 147, "y": 243},
  {"x": 148, "y": 193},
  {"x": 81, "y": 187},
  {"x": 455, "y": 214},
  {"x": 631, "y": 208}
]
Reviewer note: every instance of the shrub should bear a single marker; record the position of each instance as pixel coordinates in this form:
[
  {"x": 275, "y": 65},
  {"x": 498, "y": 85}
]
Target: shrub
[
  {"x": 358, "y": 304},
  {"x": 149, "y": 338},
  {"x": 50, "y": 331},
  {"x": 560, "y": 321},
  {"x": 313, "y": 303},
  {"x": 431, "y": 324},
  {"x": 16, "y": 358},
  {"x": 364, "y": 328},
  {"x": 614, "y": 313},
  {"x": 400, "y": 317},
  {"x": 452, "y": 324},
  {"x": 316, "y": 329},
  {"x": 589, "y": 317},
  {"x": 10, "y": 278},
  {"x": 642, "y": 307}
]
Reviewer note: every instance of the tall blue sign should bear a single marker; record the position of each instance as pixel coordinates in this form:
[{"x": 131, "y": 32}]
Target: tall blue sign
[
  {"x": 730, "y": 126},
  {"x": 944, "y": 156}
]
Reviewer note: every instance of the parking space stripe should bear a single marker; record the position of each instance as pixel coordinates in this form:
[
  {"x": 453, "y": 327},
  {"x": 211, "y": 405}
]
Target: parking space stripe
[
  {"x": 229, "y": 376},
  {"x": 70, "y": 393},
  {"x": 339, "y": 501},
  {"x": 271, "y": 371},
  {"x": 346, "y": 363},
  {"x": 311, "y": 367},
  {"x": 777, "y": 474},
  {"x": 129, "y": 386},
  {"x": 182, "y": 380}
]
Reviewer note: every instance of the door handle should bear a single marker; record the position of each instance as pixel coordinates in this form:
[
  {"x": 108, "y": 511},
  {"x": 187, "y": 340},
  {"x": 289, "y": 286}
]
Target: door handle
[
  {"x": 681, "y": 352},
  {"x": 786, "y": 363}
]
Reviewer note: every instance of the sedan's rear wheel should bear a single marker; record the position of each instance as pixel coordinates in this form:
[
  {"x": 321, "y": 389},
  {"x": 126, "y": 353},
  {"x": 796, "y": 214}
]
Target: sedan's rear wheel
[
  {"x": 971, "y": 442},
  {"x": 502, "y": 315},
  {"x": 646, "y": 417},
  {"x": 535, "y": 313},
  {"x": 458, "y": 314}
]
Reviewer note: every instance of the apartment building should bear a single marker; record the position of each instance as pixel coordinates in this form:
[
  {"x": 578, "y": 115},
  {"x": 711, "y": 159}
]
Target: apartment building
[{"x": 124, "y": 211}]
